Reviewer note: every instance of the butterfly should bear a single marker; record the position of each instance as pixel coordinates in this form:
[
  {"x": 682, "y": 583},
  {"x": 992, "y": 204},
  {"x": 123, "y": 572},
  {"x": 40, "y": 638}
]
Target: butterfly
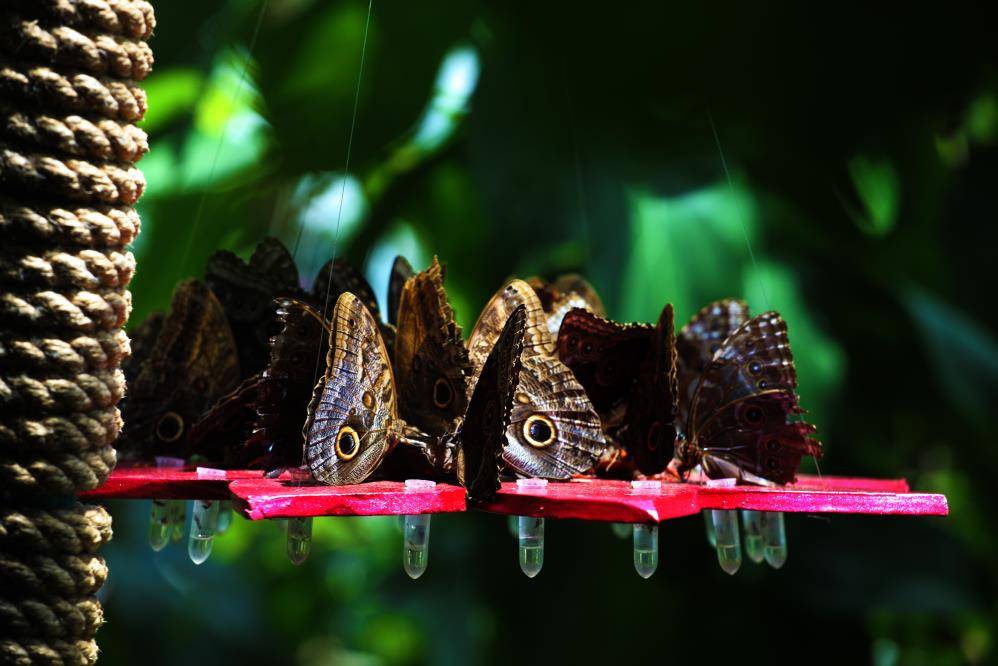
[
  {"x": 337, "y": 276},
  {"x": 568, "y": 291},
  {"x": 629, "y": 372},
  {"x": 191, "y": 364},
  {"x": 700, "y": 339},
  {"x": 431, "y": 366},
  {"x": 554, "y": 431},
  {"x": 401, "y": 271},
  {"x": 744, "y": 420},
  {"x": 247, "y": 291},
  {"x": 354, "y": 424},
  {"x": 258, "y": 425}
]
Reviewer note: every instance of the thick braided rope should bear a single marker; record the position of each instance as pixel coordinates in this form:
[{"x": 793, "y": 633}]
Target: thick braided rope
[
  {"x": 132, "y": 18},
  {"x": 48, "y": 653},
  {"x": 53, "y": 433},
  {"x": 99, "y": 54},
  {"x": 73, "y": 93},
  {"x": 88, "y": 268},
  {"x": 60, "y": 575},
  {"x": 76, "y": 180},
  {"x": 76, "y": 531},
  {"x": 83, "y": 392},
  {"x": 54, "y": 618},
  {"x": 62, "y": 473},
  {"x": 87, "y": 311},
  {"x": 99, "y": 138},
  {"x": 68, "y": 226},
  {"x": 62, "y": 356}
]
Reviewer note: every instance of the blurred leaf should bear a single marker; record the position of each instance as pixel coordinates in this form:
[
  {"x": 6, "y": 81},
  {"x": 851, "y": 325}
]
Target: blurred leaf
[
  {"x": 877, "y": 185},
  {"x": 172, "y": 94}
]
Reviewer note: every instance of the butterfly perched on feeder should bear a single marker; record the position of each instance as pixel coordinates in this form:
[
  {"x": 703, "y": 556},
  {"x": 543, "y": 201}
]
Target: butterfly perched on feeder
[
  {"x": 258, "y": 425},
  {"x": 432, "y": 367},
  {"x": 354, "y": 424},
  {"x": 568, "y": 291},
  {"x": 554, "y": 431},
  {"x": 629, "y": 372},
  {"x": 247, "y": 291},
  {"x": 743, "y": 419},
  {"x": 191, "y": 364}
]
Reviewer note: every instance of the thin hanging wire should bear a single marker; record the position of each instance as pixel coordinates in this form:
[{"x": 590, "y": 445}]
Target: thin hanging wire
[
  {"x": 738, "y": 209},
  {"x": 346, "y": 171},
  {"x": 221, "y": 137}
]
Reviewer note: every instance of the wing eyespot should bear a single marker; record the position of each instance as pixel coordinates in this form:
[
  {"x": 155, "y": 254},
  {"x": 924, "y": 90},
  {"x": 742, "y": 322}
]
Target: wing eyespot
[
  {"x": 539, "y": 431},
  {"x": 347, "y": 443},
  {"x": 170, "y": 427}
]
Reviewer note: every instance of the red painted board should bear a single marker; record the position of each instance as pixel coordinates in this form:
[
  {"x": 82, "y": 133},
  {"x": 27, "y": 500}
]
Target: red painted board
[
  {"x": 168, "y": 483},
  {"x": 617, "y": 501},
  {"x": 282, "y": 498}
]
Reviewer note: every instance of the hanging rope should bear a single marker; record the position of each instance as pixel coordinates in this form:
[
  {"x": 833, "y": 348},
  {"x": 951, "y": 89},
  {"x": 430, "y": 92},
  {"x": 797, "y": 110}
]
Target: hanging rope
[{"x": 69, "y": 73}]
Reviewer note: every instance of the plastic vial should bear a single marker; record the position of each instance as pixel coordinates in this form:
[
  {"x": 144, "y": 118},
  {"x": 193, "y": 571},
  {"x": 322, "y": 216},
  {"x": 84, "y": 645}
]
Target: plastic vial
[
  {"x": 774, "y": 539},
  {"x": 729, "y": 550},
  {"x": 708, "y": 521},
  {"x": 224, "y": 516},
  {"x": 177, "y": 512},
  {"x": 646, "y": 536},
  {"x": 752, "y": 524},
  {"x": 159, "y": 525},
  {"x": 204, "y": 519},
  {"x": 416, "y": 534},
  {"x": 621, "y": 530},
  {"x": 299, "y": 539},
  {"x": 530, "y": 531}
]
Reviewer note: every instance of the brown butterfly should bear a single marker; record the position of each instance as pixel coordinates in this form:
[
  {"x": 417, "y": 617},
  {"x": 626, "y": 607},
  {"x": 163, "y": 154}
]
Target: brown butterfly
[
  {"x": 353, "y": 422},
  {"x": 432, "y": 367},
  {"x": 247, "y": 291},
  {"x": 259, "y": 425},
  {"x": 482, "y": 433},
  {"x": 744, "y": 418},
  {"x": 629, "y": 372},
  {"x": 700, "y": 339},
  {"x": 554, "y": 431},
  {"x": 337, "y": 276},
  {"x": 401, "y": 271},
  {"x": 567, "y": 292},
  {"x": 192, "y": 363}
]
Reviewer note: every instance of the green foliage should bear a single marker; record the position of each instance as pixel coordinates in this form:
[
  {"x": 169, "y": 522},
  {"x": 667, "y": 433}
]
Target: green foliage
[{"x": 538, "y": 139}]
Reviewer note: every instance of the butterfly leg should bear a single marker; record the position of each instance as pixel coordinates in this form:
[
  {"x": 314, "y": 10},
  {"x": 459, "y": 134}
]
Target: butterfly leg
[
  {"x": 729, "y": 549},
  {"x": 159, "y": 524},
  {"x": 204, "y": 521}
]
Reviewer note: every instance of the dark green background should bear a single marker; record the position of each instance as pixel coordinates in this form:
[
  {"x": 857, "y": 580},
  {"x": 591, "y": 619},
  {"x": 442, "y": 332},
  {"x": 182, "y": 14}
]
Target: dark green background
[{"x": 861, "y": 145}]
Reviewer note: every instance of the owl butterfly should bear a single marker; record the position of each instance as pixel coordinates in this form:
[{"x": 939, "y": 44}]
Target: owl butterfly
[
  {"x": 353, "y": 421},
  {"x": 247, "y": 291},
  {"x": 431, "y": 362},
  {"x": 629, "y": 372},
  {"x": 401, "y": 271},
  {"x": 191, "y": 364},
  {"x": 259, "y": 425},
  {"x": 336, "y": 277},
  {"x": 744, "y": 419},
  {"x": 568, "y": 291},
  {"x": 554, "y": 432},
  {"x": 700, "y": 339}
]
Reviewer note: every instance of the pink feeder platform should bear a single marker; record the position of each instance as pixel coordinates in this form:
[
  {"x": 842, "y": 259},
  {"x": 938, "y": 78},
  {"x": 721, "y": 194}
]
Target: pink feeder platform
[
  {"x": 617, "y": 501},
  {"x": 280, "y": 498},
  {"x": 187, "y": 483}
]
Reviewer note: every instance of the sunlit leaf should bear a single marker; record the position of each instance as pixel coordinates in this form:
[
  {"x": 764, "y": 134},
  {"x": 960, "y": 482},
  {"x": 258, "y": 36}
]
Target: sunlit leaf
[{"x": 172, "y": 93}]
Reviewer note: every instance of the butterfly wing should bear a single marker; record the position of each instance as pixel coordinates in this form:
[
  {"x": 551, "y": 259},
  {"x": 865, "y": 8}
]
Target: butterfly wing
[
  {"x": 650, "y": 434},
  {"x": 745, "y": 415},
  {"x": 604, "y": 356},
  {"x": 431, "y": 362},
  {"x": 700, "y": 339},
  {"x": 192, "y": 364},
  {"x": 554, "y": 432},
  {"x": 401, "y": 271},
  {"x": 247, "y": 292},
  {"x": 567, "y": 292},
  {"x": 352, "y": 418},
  {"x": 338, "y": 276},
  {"x": 536, "y": 339},
  {"x": 483, "y": 432}
]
